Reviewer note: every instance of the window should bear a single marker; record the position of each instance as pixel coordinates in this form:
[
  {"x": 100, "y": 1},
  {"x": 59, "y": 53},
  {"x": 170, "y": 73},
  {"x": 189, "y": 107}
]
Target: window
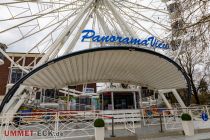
[
  {"x": 123, "y": 101},
  {"x": 1, "y": 56},
  {"x": 107, "y": 101},
  {"x": 16, "y": 75}
]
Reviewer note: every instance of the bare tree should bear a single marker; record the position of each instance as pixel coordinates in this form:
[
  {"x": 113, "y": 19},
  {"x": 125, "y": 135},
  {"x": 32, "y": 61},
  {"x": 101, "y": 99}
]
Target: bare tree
[
  {"x": 190, "y": 23},
  {"x": 192, "y": 63}
]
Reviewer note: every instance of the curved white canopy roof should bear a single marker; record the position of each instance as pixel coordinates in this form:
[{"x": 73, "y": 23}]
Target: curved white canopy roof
[
  {"x": 109, "y": 64},
  {"x": 106, "y": 64}
]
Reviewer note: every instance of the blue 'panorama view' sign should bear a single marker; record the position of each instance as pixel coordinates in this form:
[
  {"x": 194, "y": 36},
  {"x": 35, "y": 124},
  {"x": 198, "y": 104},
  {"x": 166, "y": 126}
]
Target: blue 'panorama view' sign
[{"x": 150, "y": 41}]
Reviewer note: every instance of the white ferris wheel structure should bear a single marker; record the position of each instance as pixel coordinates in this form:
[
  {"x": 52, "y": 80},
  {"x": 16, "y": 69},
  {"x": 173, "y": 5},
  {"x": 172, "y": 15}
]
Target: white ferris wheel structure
[{"x": 53, "y": 27}]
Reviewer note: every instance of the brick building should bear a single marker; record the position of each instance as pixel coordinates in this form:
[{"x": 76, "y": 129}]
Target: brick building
[{"x": 9, "y": 74}]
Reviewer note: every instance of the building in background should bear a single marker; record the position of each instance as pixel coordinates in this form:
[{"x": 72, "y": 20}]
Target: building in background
[{"x": 10, "y": 74}]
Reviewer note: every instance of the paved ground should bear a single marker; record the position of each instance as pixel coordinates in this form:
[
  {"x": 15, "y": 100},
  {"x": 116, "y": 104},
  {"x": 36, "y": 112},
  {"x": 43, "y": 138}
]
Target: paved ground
[
  {"x": 153, "y": 133},
  {"x": 201, "y": 136},
  {"x": 144, "y": 133}
]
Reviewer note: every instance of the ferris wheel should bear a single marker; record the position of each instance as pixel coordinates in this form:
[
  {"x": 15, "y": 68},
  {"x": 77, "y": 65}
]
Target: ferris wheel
[{"x": 54, "y": 27}]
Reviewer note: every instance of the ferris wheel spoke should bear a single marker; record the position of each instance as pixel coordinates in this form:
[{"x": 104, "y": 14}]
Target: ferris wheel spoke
[
  {"x": 121, "y": 22},
  {"x": 40, "y": 2},
  {"x": 16, "y": 17},
  {"x": 102, "y": 23},
  {"x": 113, "y": 22},
  {"x": 135, "y": 21},
  {"x": 27, "y": 6},
  {"x": 7, "y": 3},
  {"x": 109, "y": 22},
  {"x": 139, "y": 6},
  {"x": 164, "y": 26},
  {"x": 77, "y": 35},
  {"x": 38, "y": 14},
  {"x": 32, "y": 19},
  {"x": 49, "y": 41},
  {"x": 30, "y": 33},
  {"x": 59, "y": 23}
]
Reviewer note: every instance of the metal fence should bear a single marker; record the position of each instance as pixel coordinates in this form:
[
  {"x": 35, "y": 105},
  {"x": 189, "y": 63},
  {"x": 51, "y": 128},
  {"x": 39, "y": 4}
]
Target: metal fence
[
  {"x": 172, "y": 117},
  {"x": 59, "y": 125},
  {"x": 49, "y": 125}
]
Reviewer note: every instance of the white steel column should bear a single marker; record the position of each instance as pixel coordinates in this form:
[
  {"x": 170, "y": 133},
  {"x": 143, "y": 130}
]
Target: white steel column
[
  {"x": 134, "y": 99},
  {"x": 112, "y": 98},
  {"x": 79, "y": 103},
  {"x": 41, "y": 95},
  {"x": 140, "y": 98},
  {"x": 12, "y": 100},
  {"x": 102, "y": 97},
  {"x": 44, "y": 96},
  {"x": 165, "y": 100},
  {"x": 68, "y": 103},
  {"x": 19, "y": 103},
  {"x": 176, "y": 95},
  {"x": 178, "y": 98},
  {"x": 14, "y": 109}
]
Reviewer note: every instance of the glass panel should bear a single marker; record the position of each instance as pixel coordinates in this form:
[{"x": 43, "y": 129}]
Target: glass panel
[
  {"x": 107, "y": 101},
  {"x": 1, "y": 56},
  {"x": 123, "y": 101},
  {"x": 16, "y": 75}
]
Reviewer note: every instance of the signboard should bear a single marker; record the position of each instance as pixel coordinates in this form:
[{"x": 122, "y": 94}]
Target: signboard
[
  {"x": 150, "y": 41},
  {"x": 149, "y": 113},
  {"x": 204, "y": 116},
  {"x": 88, "y": 90}
]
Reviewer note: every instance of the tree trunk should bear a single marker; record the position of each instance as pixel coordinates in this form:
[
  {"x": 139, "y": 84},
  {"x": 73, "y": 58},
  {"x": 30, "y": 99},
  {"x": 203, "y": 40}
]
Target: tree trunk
[{"x": 195, "y": 92}]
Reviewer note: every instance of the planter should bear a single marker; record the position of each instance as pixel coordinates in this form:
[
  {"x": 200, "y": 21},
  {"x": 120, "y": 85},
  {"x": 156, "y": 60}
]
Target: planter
[
  {"x": 188, "y": 128},
  {"x": 99, "y": 133}
]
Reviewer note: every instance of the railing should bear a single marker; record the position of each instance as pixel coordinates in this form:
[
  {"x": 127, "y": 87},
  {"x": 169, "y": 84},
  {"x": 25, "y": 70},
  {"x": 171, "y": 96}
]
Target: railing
[
  {"x": 122, "y": 115},
  {"x": 62, "y": 124},
  {"x": 196, "y": 114},
  {"x": 130, "y": 119},
  {"x": 62, "y": 106},
  {"x": 172, "y": 121},
  {"x": 124, "y": 119},
  {"x": 171, "y": 117},
  {"x": 151, "y": 116},
  {"x": 81, "y": 107}
]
